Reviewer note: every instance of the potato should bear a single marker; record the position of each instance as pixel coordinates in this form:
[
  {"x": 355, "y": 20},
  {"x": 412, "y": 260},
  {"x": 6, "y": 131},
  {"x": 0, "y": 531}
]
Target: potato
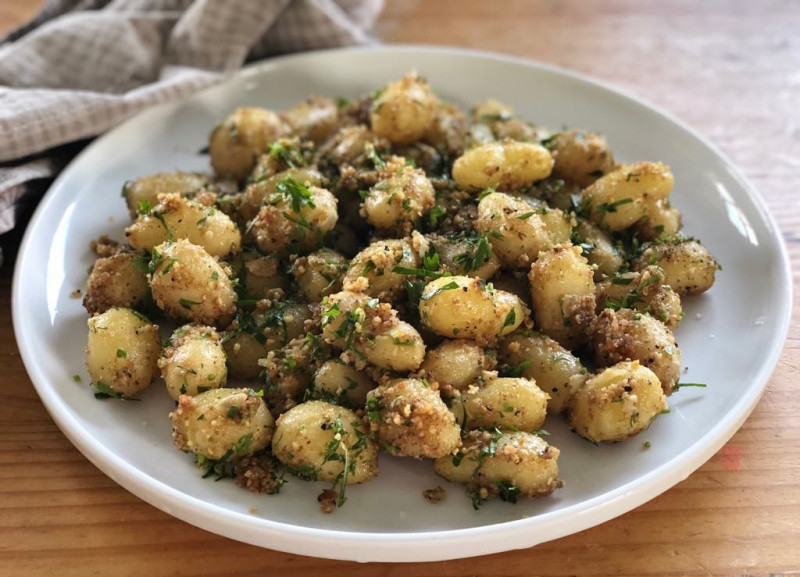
[
  {"x": 562, "y": 291},
  {"x": 622, "y": 197},
  {"x": 193, "y": 361},
  {"x": 507, "y": 403},
  {"x": 505, "y": 166},
  {"x": 314, "y": 119},
  {"x": 188, "y": 283},
  {"x": 370, "y": 329},
  {"x": 598, "y": 249},
  {"x": 341, "y": 384},
  {"x": 581, "y": 157},
  {"x": 616, "y": 404},
  {"x": 177, "y": 217},
  {"x": 350, "y": 145},
  {"x": 503, "y": 464},
  {"x": 401, "y": 196},
  {"x": 468, "y": 308},
  {"x": 462, "y": 254},
  {"x": 376, "y": 263},
  {"x": 296, "y": 218},
  {"x": 688, "y": 267},
  {"x": 320, "y": 273},
  {"x": 660, "y": 219},
  {"x": 264, "y": 188},
  {"x": 553, "y": 368},
  {"x": 144, "y": 191},
  {"x": 122, "y": 351},
  {"x": 517, "y": 231},
  {"x": 491, "y": 110},
  {"x": 630, "y": 335},
  {"x": 243, "y": 352},
  {"x": 514, "y": 282},
  {"x": 318, "y": 441},
  {"x": 221, "y": 424},
  {"x": 403, "y": 111},
  {"x": 116, "y": 281},
  {"x": 644, "y": 291},
  {"x": 244, "y": 135},
  {"x": 261, "y": 275},
  {"x": 456, "y": 364},
  {"x": 410, "y": 419}
]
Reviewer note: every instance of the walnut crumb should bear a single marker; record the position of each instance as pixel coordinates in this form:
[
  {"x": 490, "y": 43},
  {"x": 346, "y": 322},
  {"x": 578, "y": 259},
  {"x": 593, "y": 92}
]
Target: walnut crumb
[
  {"x": 327, "y": 501},
  {"x": 436, "y": 495}
]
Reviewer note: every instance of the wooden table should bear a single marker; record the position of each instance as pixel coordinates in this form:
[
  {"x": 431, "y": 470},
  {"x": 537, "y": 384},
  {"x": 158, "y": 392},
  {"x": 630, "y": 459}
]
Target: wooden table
[{"x": 730, "y": 69}]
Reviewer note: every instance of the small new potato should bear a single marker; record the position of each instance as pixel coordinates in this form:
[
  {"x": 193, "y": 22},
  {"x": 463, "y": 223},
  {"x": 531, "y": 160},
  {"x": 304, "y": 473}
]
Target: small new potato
[
  {"x": 468, "y": 308},
  {"x": 314, "y": 119},
  {"x": 456, "y": 364},
  {"x": 376, "y": 262},
  {"x": 296, "y": 218},
  {"x": 646, "y": 291},
  {"x": 261, "y": 189},
  {"x": 465, "y": 254},
  {"x": 177, "y": 217},
  {"x": 404, "y": 111},
  {"x": 222, "y": 424},
  {"x": 243, "y": 352},
  {"x": 193, "y": 361},
  {"x": 410, "y": 419},
  {"x": 620, "y": 198},
  {"x": 506, "y": 403},
  {"x": 581, "y": 157},
  {"x": 490, "y": 463},
  {"x": 688, "y": 267},
  {"x": 188, "y": 283},
  {"x": 505, "y": 166},
  {"x": 616, "y": 404},
  {"x": 630, "y": 335},
  {"x": 122, "y": 351},
  {"x": 320, "y": 273},
  {"x": 399, "y": 198},
  {"x": 562, "y": 291},
  {"x": 306, "y": 442},
  {"x": 341, "y": 384},
  {"x": 144, "y": 191},
  {"x": 553, "y": 368},
  {"x": 115, "y": 281},
  {"x": 260, "y": 275},
  {"x": 241, "y": 138},
  {"x": 518, "y": 231},
  {"x": 598, "y": 249},
  {"x": 660, "y": 219}
]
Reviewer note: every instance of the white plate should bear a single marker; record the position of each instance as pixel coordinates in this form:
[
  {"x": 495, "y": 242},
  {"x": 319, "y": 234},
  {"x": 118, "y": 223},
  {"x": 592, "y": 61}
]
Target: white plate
[{"x": 731, "y": 337}]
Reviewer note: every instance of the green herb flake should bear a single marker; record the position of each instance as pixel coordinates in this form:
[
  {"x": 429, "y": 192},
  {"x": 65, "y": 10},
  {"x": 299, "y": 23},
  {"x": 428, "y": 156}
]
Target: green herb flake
[
  {"x": 187, "y": 304},
  {"x": 122, "y": 354}
]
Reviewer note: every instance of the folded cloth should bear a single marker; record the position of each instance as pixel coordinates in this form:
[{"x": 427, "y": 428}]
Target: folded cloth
[{"x": 82, "y": 66}]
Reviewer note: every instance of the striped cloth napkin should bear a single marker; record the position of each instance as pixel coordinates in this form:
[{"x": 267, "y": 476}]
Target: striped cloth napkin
[{"x": 83, "y": 66}]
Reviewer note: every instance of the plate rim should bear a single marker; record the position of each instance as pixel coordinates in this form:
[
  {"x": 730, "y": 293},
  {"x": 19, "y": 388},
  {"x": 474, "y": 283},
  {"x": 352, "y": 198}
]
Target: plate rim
[{"x": 429, "y": 545}]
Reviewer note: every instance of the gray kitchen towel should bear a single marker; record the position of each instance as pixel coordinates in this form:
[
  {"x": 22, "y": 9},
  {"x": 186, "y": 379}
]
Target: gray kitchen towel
[{"x": 83, "y": 66}]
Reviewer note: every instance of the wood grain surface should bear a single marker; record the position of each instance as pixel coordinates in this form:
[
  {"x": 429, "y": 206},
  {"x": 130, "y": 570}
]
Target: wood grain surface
[{"x": 731, "y": 69}]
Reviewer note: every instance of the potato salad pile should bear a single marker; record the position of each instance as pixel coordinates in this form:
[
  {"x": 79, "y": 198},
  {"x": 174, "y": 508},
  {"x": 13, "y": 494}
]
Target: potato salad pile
[{"x": 395, "y": 274}]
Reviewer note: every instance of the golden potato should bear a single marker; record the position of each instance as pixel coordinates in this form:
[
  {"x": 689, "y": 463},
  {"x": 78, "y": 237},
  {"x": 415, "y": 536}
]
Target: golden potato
[
  {"x": 562, "y": 291},
  {"x": 243, "y": 351},
  {"x": 264, "y": 188},
  {"x": 377, "y": 262},
  {"x": 119, "y": 280},
  {"x": 410, "y": 419},
  {"x": 581, "y": 157},
  {"x": 188, "y": 283},
  {"x": 193, "y": 361},
  {"x": 144, "y": 191},
  {"x": 515, "y": 404},
  {"x": 341, "y": 384},
  {"x": 401, "y": 196},
  {"x": 466, "y": 254},
  {"x": 503, "y": 464},
  {"x": 221, "y": 424},
  {"x": 122, "y": 351},
  {"x": 630, "y": 335},
  {"x": 403, "y": 111},
  {"x": 645, "y": 291},
  {"x": 176, "y": 217},
  {"x": 318, "y": 441},
  {"x": 243, "y": 136},
  {"x": 660, "y": 219},
  {"x": 617, "y": 403},
  {"x": 553, "y": 368},
  {"x": 622, "y": 197},
  {"x": 598, "y": 249},
  {"x": 688, "y": 267},
  {"x": 456, "y": 364},
  {"x": 320, "y": 273},
  {"x": 505, "y": 166},
  {"x": 468, "y": 308},
  {"x": 314, "y": 119}
]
